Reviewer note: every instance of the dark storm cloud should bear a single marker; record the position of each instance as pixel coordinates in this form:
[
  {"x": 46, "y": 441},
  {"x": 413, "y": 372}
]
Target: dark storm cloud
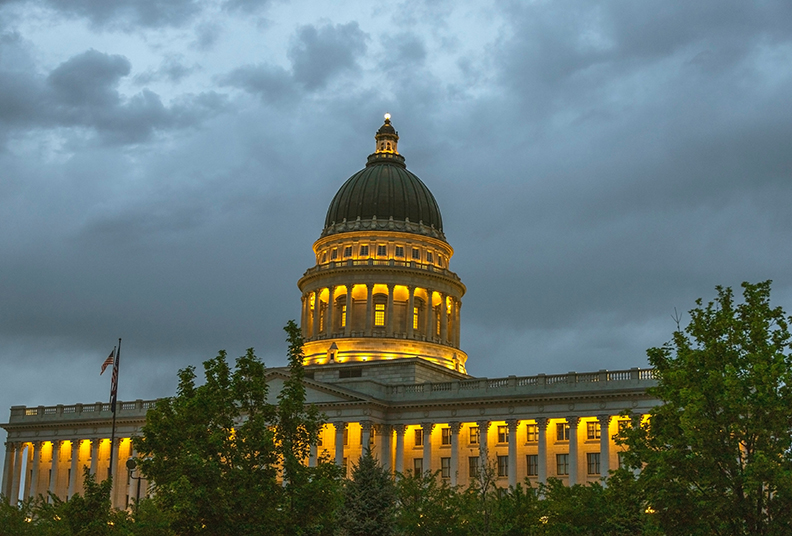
[
  {"x": 126, "y": 14},
  {"x": 83, "y": 92},
  {"x": 319, "y": 53}
]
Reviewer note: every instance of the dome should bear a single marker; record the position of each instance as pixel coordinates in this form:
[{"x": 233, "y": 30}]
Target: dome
[{"x": 384, "y": 195}]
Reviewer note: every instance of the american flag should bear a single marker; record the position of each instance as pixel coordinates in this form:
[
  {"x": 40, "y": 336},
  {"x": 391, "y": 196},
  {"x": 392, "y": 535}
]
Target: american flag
[{"x": 109, "y": 361}]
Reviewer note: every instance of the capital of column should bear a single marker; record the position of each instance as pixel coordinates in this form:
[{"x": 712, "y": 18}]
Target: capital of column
[
  {"x": 455, "y": 426},
  {"x": 339, "y": 425},
  {"x": 366, "y": 426},
  {"x": 399, "y": 429},
  {"x": 604, "y": 420},
  {"x": 512, "y": 424},
  {"x": 573, "y": 422},
  {"x": 483, "y": 425},
  {"x": 542, "y": 423},
  {"x": 427, "y": 427}
]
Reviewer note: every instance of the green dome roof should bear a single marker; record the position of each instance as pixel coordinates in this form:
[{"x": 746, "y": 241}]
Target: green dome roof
[{"x": 384, "y": 195}]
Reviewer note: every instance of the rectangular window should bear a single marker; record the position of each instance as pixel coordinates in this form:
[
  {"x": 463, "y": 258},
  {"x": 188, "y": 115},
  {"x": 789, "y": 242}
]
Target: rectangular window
[
  {"x": 415, "y": 317},
  {"x": 334, "y": 254},
  {"x": 419, "y": 437},
  {"x": 445, "y": 467},
  {"x": 592, "y": 430},
  {"x": 417, "y": 466},
  {"x": 364, "y": 251},
  {"x": 343, "y": 316},
  {"x": 348, "y": 251},
  {"x": 562, "y": 464},
  {"x": 474, "y": 435},
  {"x": 562, "y": 431},
  {"x": 400, "y": 251},
  {"x": 382, "y": 250},
  {"x": 445, "y": 438},
  {"x": 503, "y": 466},
  {"x": 429, "y": 257},
  {"x": 473, "y": 466},
  {"x": 503, "y": 434},
  {"x": 416, "y": 254},
  {"x": 379, "y": 314},
  {"x": 593, "y": 463},
  {"x": 324, "y": 257},
  {"x": 532, "y": 462},
  {"x": 346, "y": 437},
  {"x": 532, "y": 432},
  {"x": 437, "y": 317}
]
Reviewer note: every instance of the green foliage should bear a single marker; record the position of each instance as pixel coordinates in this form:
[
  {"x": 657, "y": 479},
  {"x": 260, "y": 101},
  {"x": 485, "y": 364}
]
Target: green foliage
[
  {"x": 716, "y": 456},
  {"x": 16, "y": 520},
  {"x": 369, "y": 507},
  {"x": 428, "y": 506}
]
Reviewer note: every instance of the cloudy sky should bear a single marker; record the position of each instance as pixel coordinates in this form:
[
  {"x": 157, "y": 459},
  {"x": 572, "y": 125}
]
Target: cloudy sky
[{"x": 165, "y": 167}]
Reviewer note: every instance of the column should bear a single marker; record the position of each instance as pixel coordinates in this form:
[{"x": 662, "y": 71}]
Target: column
[
  {"x": 604, "y": 421},
  {"x": 399, "y": 429},
  {"x": 17, "y": 474},
  {"x": 512, "y": 427},
  {"x": 455, "y": 426},
  {"x": 8, "y": 469},
  {"x": 369, "y": 307},
  {"x": 339, "y": 442},
  {"x": 36, "y": 463},
  {"x": 94, "y": 456},
  {"x": 483, "y": 427},
  {"x": 443, "y": 318},
  {"x": 385, "y": 451},
  {"x": 75, "y": 466},
  {"x": 316, "y": 314},
  {"x": 312, "y": 454},
  {"x": 365, "y": 436},
  {"x": 573, "y": 449},
  {"x": 427, "y": 445},
  {"x": 330, "y": 310},
  {"x": 429, "y": 314},
  {"x": 389, "y": 319},
  {"x": 410, "y": 311},
  {"x": 53, "y": 481},
  {"x": 348, "y": 323},
  {"x": 303, "y": 316},
  {"x": 541, "y": 425},
  {"x": 457, "y": 330}
]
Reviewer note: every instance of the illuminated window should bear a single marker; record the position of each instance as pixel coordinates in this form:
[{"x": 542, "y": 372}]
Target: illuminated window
[
  {"x": 415, "y": 317},
  {"x": 440, "y": 260},
  {"x": 400, "y": 251},
  {"x": 473, "y": 466},
  {"x": 593, "y": 463},
  {"x": 417, "y": 466},
  {"x": 532, "y": 462},
  {"x": 532, "y": 432},
  {"x": 562, "y": 464},
  {"x": 445, "y": 438},
  {"x": 334, "y": 254},
  {"x": 348, "y": 251},
  {"x": 437, "y": 321},
  {"x": 429, "y": 257},
  {"x": 474, "y": 435},
  {"x": 592, "y": 430},
  {"x": 445, "y": 467},
  {"x": 503, "y": 466},
  {"x": 343, "y": 316},
  {"x": 416, "y": 254},
  {"x": 382, "y": 250},
  {"x": 346, "y": 436},
  {"x": 379, "y": 314},
  {"x": 364, "y": 251},
  {"x": 419, "y": 437},
  {"x": 324, "y": 257},
  {"x": 503, "y": 434},
  {"x": 562, "y": 431}
]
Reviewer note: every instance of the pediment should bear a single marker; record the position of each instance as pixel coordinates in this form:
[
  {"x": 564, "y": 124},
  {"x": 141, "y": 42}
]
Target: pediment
[{"x": 315, "y": 392}]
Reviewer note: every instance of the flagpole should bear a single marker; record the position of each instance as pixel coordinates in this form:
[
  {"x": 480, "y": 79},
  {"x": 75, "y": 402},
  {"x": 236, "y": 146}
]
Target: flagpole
[{"x": 113, "y": 396}]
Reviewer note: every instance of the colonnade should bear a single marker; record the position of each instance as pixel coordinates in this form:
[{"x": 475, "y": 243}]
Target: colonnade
[
  {"x": 354, "y": 314},
  {"x": 35, "y": 468},
  {"x": 511, "y": 450}
]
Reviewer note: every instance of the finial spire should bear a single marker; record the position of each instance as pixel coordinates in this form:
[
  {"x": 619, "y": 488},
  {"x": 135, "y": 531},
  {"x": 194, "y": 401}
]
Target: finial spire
[{"x": 387, "y": 138}]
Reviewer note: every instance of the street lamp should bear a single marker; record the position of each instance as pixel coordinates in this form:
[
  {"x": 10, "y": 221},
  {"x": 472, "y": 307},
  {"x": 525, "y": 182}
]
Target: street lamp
[{"x": 131, "y": 466}]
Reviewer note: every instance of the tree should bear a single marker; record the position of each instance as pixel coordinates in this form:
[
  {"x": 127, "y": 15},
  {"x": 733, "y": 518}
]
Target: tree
[
  {"x": 369, "y": 500},
  {"x": 716, "y": 456}
]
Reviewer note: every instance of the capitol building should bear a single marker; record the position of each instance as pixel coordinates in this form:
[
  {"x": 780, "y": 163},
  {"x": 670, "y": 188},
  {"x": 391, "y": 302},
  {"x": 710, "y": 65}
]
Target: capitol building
[{"x": 381, "y": 317}]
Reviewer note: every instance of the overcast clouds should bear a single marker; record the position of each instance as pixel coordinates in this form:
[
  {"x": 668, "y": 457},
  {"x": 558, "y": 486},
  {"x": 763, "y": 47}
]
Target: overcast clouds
[{"x": 166, "y": 166}]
